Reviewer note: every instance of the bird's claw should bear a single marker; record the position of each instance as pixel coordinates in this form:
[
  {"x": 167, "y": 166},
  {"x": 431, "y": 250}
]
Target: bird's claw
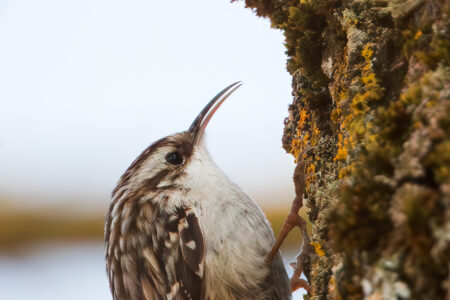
[{"x": 297, "y": 283}]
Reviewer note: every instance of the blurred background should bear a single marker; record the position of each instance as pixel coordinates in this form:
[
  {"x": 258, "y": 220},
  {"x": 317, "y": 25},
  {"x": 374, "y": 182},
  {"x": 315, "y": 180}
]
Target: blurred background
[{"x": 87, "y": 85}]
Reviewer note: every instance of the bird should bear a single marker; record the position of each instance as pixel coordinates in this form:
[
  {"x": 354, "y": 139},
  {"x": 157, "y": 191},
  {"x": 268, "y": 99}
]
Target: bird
[{"x": 178, "y": 228}]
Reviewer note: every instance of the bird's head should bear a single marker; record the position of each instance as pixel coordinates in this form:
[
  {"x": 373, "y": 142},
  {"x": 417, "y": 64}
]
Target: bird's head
[{"x": 167, "y": 159}]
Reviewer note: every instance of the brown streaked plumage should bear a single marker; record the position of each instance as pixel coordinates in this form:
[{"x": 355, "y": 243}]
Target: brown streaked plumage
[{"x": 177, "y": 228}]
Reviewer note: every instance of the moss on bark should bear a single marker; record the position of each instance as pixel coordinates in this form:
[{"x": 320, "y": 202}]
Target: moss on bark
[{"x": 372, "y": 93}]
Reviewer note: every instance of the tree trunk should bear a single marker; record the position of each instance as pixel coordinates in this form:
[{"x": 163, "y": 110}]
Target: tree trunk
[{"x": 372, "y": 94}]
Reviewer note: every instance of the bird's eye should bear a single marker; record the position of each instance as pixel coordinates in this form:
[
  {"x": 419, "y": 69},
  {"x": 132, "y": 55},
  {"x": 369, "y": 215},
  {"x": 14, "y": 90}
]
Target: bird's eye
[{"x": 174, "y": 158}]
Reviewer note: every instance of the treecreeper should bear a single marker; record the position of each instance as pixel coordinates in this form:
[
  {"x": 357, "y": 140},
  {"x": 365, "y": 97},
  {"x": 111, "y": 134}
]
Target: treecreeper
[{"x": 178, "y": 228}]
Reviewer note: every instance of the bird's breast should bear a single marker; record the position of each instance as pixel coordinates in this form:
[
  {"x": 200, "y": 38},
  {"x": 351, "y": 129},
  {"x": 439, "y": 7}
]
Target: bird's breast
[{"x": 237, "y": 240}]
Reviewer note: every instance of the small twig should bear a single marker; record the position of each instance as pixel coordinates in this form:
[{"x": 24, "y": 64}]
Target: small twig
[{"x": 294, "y": 219}]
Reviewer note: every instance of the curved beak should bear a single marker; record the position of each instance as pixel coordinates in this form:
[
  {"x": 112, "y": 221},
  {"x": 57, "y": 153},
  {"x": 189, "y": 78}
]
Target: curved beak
[{"x": 198, "y": 127}]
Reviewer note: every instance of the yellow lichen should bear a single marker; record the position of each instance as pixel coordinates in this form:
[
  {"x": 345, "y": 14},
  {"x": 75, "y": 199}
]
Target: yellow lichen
[
  {"x": 354, "y": 127},
  {"x": 371, "y": 88},
  {"x": 344, "y": 172}
]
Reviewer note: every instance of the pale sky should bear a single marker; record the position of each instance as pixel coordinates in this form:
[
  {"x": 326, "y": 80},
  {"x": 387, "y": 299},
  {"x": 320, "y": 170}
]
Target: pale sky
[{"x": 86, "y": 85}]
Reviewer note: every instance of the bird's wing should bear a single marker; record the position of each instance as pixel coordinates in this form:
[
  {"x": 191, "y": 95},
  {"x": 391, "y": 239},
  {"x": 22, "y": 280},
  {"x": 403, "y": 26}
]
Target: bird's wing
[{"x": 172, "y": 262}]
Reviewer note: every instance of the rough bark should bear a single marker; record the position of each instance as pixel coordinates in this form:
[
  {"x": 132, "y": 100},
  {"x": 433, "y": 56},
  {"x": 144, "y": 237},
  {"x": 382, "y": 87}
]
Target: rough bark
[{"x": 372, "y": 94}]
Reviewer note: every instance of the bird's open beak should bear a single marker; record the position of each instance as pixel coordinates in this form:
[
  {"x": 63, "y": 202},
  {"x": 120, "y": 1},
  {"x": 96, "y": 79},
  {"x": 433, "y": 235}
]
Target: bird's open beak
[{"x": 198, "y": 127}]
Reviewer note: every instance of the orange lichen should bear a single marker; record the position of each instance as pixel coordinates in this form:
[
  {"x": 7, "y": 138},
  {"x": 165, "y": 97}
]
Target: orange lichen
[
  {"x": 303, "y": 137},
  {"x": 311, "y": 171},
  {"x": 337, "y": 112},
  {"x": 295, "y": 148},
  {"x": 418, "y": 34},
  {"x": 302, "y": 121},
  {"x": 318, "y": 248},
  {"x": 367, "y": 52},
  {"x": 298, "y": 144},
  {"x": 342, "y": 148},
  {"x": 315, "y": 137}
]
